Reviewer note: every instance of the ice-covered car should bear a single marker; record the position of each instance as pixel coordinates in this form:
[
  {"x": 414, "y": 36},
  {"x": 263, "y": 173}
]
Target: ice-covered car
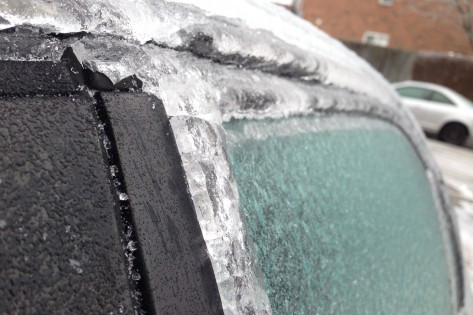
[
  {"x": 202, "y": 157},
  {"x": 439, "y": 110}
]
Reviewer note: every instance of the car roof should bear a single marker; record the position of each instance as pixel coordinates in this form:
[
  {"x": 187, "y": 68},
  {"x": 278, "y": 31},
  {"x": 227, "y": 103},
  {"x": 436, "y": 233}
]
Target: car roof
[{"x": 250, "y": 33}]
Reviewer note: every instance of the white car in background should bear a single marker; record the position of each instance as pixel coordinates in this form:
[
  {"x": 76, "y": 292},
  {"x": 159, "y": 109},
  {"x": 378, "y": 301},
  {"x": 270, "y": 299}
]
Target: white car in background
[{"x": 439, "y": 110}]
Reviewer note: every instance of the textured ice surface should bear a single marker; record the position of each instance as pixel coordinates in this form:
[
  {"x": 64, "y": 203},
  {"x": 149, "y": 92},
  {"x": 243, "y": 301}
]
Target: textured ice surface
[
  {"x": 251, "y": 33},
  {"x": 215, "y": 197},
  {"x": 209, "y": 62}
]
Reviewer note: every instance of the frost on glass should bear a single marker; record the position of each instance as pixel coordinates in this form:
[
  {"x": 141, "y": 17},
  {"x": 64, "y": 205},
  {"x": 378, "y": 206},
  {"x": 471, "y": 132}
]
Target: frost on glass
[{"x": 343, "y": 220}]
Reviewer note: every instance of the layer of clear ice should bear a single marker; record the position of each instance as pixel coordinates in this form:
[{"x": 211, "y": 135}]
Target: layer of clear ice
[
  {"x": 209, "y": 62},
  {"x": 215, "y": 196},
  {"x": 265, "y": 35}
]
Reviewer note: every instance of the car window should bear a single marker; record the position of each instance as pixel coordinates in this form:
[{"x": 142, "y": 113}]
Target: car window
[
  {"x": 342, "y": 217},
  {"x": 440, "y": 98},
  {"x": 414, "y": 92}
]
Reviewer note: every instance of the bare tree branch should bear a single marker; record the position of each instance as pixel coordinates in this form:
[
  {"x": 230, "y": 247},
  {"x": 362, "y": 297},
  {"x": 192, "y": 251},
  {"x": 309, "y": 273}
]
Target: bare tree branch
[{"x": 465, "y": 8}]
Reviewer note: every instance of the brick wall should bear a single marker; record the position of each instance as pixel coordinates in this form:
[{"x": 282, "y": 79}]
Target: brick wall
[
  {"x": 455, "y": 72},
  {"x": 349, "y": 19},
  {"x": 395, "y": 64}
]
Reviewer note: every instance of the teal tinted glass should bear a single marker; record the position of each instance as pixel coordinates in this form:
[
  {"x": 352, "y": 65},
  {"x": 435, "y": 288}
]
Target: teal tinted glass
[
  {"x": 414, "y": 92},
  {"x": 440, "y": 98},
  {"x": 342, "y": 217}
]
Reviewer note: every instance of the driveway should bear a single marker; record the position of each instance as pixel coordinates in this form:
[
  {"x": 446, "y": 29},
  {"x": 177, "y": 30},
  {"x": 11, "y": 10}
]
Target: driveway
[{"x": 457, "y": 167}]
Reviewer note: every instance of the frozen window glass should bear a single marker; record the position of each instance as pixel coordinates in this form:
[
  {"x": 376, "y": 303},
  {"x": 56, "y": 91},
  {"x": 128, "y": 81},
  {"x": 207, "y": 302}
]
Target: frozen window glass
[
  {"x": 440, "y": 98},
  {"x": 342, "y": 217},
  {"x": 414, "y": 92}
]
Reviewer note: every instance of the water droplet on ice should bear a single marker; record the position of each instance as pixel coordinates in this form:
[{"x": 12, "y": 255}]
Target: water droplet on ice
[
  {"x": 107, "y": 144},
  {"x": 123, "y": 196},
  {"x": 114, "y": 170},
  {"x": 135, "y": 275},
  {"x": 76, "y": 265},
  {"x": 131, "y": 246}
]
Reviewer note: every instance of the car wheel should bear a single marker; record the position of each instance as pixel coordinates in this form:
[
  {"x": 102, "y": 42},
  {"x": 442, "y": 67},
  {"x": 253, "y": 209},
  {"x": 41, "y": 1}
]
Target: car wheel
[{"x": 455, "y": 133}]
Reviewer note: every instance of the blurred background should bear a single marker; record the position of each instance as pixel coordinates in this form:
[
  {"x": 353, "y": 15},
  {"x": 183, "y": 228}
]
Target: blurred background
[
  {"x": 424, "y": 40},
  {"x": 419, "y": 40}
]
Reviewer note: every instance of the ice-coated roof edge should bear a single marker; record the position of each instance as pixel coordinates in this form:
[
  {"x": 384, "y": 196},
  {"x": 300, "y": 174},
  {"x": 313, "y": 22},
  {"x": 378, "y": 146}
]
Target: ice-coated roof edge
[{"x": 251, "y": 34}]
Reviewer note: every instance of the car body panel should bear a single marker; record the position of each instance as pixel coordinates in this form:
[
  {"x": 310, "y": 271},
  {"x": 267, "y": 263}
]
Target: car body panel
[{"x": 207, "y": 67}]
